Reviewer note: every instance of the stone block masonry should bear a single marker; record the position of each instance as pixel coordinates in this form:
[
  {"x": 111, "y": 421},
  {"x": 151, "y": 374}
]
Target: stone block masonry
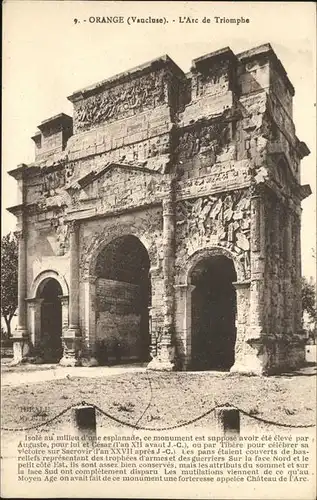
[{"x": 167, "y": 209}]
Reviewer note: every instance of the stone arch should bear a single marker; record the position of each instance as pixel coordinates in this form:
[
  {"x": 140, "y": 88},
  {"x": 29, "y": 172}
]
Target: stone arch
[
  {"x": 104, "y": 239},
  {"x": 186, "y": 287},
  {"x": 211, "y": 252},
  {"x": 42, "y": 278}
]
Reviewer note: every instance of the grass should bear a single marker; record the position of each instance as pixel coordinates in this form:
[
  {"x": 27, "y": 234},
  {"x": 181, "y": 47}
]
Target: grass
[{"x": 168, "y": 398}]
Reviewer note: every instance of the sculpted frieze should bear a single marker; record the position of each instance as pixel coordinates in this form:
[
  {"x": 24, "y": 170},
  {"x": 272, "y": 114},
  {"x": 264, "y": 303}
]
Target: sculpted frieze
[
  {"x": 52, "y": 181},
  {"x": 148, "y": 92},
  {"x": 222, "y": 219},
  {"x": 205, "y": 140}
]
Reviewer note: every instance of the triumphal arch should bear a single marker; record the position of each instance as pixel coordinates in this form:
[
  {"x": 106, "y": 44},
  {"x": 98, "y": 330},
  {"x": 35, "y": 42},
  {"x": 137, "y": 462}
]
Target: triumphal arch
[{"x": 161, "y": 223}]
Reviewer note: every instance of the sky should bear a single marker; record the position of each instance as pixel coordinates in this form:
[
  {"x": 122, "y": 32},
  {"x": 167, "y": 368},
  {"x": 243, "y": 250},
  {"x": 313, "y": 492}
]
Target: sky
[{"x": 47, "y": 56}]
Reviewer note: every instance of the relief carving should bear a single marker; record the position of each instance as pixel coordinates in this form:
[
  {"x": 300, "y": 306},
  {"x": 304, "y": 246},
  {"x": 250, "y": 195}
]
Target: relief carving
[
  {"x": 124, "y": 100},
  {"x": 69, "y": 171},
  {"x": 62, "y": 235},
  {"x": 204, "y": 81},
  {"x": 52, "y": 181},
  {"x": 221, "y": 219},
  {"x": 143, "y": 151},
  {"x": 209, "y": 139}
]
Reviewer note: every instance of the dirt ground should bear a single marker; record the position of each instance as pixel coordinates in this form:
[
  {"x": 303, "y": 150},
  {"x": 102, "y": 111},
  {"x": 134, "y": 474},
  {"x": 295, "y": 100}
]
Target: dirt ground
[{"x": 156, "y": 399}]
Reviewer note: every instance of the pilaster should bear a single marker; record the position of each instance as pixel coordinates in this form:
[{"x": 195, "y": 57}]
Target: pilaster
[
  {"x": 89, "y": 354},
  {"x": 166, "y": 348},
  {"x": 20, "y": 334},
  {"x": 71, "y": 337},
  {"x": 183, "y": 318}
]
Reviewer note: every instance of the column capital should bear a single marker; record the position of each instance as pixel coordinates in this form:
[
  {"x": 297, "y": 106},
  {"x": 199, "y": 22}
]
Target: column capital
[
  {"x": 90, "y": 279},
  {"x": 168, "y": 206},
  {"x": 64, "y": 299},
  {"x": 154, "y": 270},
  {"x": 185, "y": 287},
  {"x": 72, "y": 226},
  {"x": 241, "y": 284},
  {"x": 19, "y": 234},
  {"x": 34, "y": 301},
  {"x": 257, "y": 190}
]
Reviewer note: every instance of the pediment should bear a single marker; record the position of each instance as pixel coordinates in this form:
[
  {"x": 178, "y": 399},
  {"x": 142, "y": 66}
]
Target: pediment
[
  {"x": 114, "y": 171},
  {"x": 116, "y": 187}
]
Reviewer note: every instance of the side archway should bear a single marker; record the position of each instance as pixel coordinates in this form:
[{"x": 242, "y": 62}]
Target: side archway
[
  {"x": 208, "y": 252},
  {"x": 48, "y": 315},
  {"x": 39, "y": 282},
  {"x": 207, "y": 309}
]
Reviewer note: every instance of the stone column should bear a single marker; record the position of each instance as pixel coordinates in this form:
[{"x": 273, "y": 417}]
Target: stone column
[
  {"x": 165, "y": 357},
  {"x": 64, "y": 304},
  {"x": 241, "y": 363},
  {"x": 298, "y": 274},
  {"x": 255, "y": 357},
  {"x": 288, "y": 290},
  {"x": 71, "y": 338},
  {"x": 257, "y": 237},
  {"x": 183, "y": 316},
  {"x": 155, "y": 311},
  {"x": 89, "y": 354},
  {"x": 275, "y": 323},
  {"x": 34, "y": 322},
  {"x": 20, "y": 335},
  {"x": 293, "y": 342}
]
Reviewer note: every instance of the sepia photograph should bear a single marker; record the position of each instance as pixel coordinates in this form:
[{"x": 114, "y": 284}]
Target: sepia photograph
[{"x": 158, "y": 250}]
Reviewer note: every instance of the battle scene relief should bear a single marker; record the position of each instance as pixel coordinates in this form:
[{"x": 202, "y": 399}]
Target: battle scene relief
[
  {"x": 148, "y": 92},
  {"x": 217, "y": 220}
]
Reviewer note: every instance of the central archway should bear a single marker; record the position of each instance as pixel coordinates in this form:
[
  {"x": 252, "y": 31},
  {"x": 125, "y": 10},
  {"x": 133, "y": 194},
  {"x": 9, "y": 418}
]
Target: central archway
[
  {"x": 123, "y": 297},
  {"x": 213, "y": 313}
]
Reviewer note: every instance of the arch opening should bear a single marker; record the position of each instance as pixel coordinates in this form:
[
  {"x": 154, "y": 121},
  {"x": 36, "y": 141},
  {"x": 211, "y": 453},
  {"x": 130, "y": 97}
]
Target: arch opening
[
  {"x": 123, "y": 297},
  {"x": 50, "y": 291},
  {"x": 213, "y": 314}
]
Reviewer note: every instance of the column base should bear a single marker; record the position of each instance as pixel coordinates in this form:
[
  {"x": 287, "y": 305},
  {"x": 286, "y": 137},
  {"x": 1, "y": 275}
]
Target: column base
[
  {"x": 254, "y": 367},
  {"x": 164, "y": 361},
  {"x": 270, "y": 354},
  {"x": 20, "y": 346},
  {"x": 72, "y": 332},
  {"x": 89, "y": 362},
  {"x": 286, "y": 353},
  {"x": 71, "y": 342},
  {"x": 156, "y": 365},
  {"x": 69, "y": 361},
  {"x": 254, "y": 360}
]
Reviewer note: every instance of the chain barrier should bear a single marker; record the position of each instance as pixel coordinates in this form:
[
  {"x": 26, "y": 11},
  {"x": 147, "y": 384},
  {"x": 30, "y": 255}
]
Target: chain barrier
[{"x": 160, "y": 429}]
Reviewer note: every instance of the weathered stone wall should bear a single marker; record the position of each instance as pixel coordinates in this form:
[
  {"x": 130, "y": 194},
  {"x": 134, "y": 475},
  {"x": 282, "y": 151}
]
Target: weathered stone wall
[
  {"x": 216, "y": 220},
  {"x": 118, "y": 318},
  {"x": 47, "y": 246}
]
